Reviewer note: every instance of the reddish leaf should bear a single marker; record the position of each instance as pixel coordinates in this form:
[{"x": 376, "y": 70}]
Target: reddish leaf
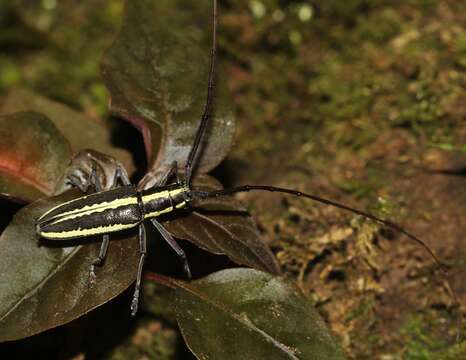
[
  {"x": 80, "y": 131},
  {"x": 33, "y": 155}
]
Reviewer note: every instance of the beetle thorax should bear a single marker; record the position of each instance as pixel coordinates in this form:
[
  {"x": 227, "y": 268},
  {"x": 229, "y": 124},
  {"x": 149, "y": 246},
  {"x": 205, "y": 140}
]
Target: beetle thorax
[{"x": 162, "y": 200}]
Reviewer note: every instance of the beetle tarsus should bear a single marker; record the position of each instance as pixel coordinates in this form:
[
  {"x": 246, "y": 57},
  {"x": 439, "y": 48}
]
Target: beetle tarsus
[
  {"x": 92, "y": 276},
  {"x": 174, "y": 245},
  {"x": 187, "y": 270},
  {"x": 135, "y": 302}
]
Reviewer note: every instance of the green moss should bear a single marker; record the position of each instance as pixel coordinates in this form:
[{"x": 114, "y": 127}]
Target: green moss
[
  {"x": 420, "y": 344},
  {"x": 152, "y": 340},
  {"x": 460, "y": 50},
  {"x": 156, "y": 335},
  {"x": 363, "y": 310},
  {"x": 379, "y": 27},
  {"x": 10, "y": 74},
  {"x": 357, "y": 188},
  {"x": 455, "y": 352},
  {"x": 68, "y": 67},
  {"x": 349, "y": 9}
]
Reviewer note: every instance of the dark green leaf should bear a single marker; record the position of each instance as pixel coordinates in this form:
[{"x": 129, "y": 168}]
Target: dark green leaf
[
  {"x": 33, "y": 155},
  {"x": 43, "y": 287},
  {"x": 223, "y": 226},
  {"x": 238, "y": 314},
  {"x": 157, "y": 71},
  {"x": 80, "y": 131}
]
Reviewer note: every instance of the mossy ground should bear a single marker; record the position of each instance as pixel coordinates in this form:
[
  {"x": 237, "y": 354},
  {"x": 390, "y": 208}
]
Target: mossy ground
[{"x": 360, "y": 101}]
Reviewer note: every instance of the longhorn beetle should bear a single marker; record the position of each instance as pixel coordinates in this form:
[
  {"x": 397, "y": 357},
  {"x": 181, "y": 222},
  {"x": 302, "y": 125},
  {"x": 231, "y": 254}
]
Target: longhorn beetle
[{"x": 125, "y": 207}]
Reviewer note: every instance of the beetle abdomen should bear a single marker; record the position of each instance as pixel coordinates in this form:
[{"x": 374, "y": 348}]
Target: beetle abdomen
[
  {"x": 95, "y": 214},
  {"x": 95, "y": 223}
]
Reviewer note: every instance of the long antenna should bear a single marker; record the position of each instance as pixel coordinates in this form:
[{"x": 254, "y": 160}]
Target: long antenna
[
  {"x": 193, "y": 154},
  {"x": 244, "y": 188},
  {"x": 388, "y": 223}
]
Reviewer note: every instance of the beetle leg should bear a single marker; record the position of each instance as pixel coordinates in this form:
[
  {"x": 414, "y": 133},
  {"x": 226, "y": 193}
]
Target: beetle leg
[
  {"x": 174, "y": 245},
  {"x": 109, "y": 171},
  {"x": 99, "y": 261},
  {"x": 76, "y": 181},
  {"x": 120, "y": 173},
  {"x": 173, "y": 170},
  {"x": 159, "y": 176},
  {"x": 142, "y": 252}
]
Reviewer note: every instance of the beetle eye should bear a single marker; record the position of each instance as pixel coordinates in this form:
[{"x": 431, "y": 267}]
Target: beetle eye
[{"x": 188, "y": 196}]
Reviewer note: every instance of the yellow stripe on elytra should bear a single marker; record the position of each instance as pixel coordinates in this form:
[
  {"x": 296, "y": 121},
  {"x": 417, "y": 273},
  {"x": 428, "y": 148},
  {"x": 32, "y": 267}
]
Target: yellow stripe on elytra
[
  {"x": 62, "y": 204},
  {"x": 60, "y": 218},
  {"x": 106, "y": 205},
  {"x": 87, "y": 209},
  {"x": 86, "y": 232}
]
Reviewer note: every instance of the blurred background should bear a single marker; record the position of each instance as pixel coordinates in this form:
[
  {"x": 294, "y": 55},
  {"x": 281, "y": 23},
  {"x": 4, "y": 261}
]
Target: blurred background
[{"x": 361, "y": 101}]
